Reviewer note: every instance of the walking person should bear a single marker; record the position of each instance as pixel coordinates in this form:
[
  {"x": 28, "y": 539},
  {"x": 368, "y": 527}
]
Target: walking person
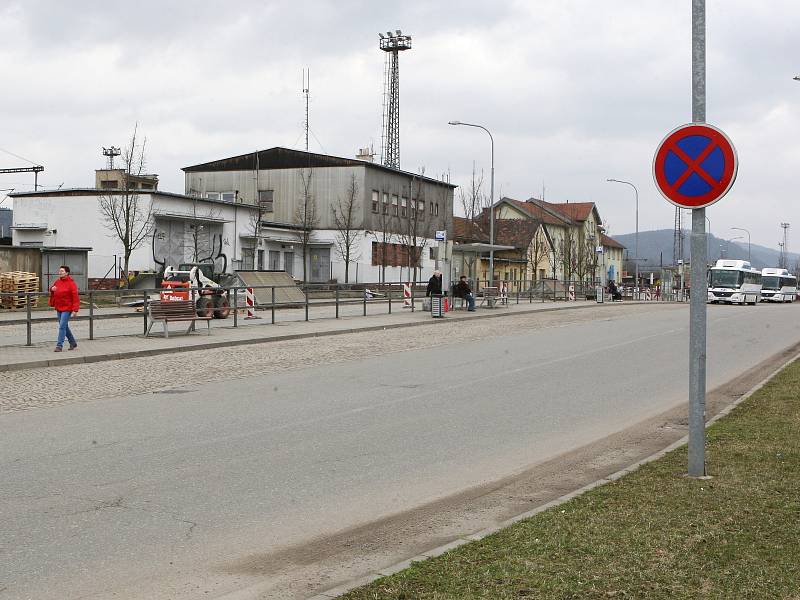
[
  {"x": 462, "y": 290},
  {"x": 64, "y": 298}
]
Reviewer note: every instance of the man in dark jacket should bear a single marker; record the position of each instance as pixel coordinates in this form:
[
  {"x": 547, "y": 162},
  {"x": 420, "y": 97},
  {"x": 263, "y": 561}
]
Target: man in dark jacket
[
  {"x": 434, "y": 284},
  {"x": 462, "y": 290}
]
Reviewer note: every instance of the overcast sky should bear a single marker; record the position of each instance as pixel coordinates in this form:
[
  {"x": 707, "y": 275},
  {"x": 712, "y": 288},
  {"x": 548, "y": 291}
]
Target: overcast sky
[{"x": 574, "y": 92}]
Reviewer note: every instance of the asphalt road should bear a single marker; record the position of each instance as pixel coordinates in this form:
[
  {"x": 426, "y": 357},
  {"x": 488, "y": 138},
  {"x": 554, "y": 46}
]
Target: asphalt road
[{"x": 181, "y": 494}]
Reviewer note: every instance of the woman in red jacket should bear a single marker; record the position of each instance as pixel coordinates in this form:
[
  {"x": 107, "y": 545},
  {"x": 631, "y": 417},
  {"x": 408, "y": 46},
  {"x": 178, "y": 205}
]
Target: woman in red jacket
[{"x": 64, "y": 298}]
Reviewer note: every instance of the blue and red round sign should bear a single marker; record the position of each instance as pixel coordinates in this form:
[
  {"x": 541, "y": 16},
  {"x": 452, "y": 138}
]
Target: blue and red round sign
[{"x": 695, "y": 165}]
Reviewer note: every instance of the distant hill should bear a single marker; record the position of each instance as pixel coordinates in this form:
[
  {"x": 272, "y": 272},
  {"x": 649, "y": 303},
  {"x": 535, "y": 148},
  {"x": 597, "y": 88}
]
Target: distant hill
[{"x": 653, "y": 245}]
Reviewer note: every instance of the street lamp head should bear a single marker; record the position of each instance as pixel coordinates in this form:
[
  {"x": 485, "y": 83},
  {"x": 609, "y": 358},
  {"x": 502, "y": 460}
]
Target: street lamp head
[
  {"x": 454, "y": 122},
  {"x": 796, "y": 77}
]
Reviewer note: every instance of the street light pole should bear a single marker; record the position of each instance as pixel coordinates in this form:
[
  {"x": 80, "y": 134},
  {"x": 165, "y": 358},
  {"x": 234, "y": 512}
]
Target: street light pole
[
  {"x": 491, "y": 198},
  {"x": 636, "y": 242},
  {"x": 748, "y": 240}
]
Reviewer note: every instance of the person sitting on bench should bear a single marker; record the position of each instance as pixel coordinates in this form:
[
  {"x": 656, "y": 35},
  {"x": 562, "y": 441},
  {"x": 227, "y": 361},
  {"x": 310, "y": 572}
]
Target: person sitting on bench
[{"x": 462, "y": 290}]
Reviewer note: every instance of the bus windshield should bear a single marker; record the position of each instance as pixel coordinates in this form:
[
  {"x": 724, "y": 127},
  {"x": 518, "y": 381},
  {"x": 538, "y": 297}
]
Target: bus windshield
[
  {"x": 771, "y": 282},
  {"x": 726, "y": 279}
]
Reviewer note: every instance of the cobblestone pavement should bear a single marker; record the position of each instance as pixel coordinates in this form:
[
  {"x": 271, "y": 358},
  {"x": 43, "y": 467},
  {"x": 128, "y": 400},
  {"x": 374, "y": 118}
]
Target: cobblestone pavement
[{"x": 57, "y": 386}]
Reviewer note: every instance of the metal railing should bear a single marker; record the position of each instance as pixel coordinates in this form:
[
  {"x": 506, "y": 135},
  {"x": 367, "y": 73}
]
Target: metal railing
[{"x": 106, "y": 304}]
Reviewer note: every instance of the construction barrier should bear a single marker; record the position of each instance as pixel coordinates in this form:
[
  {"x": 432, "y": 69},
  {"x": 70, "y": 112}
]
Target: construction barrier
[
  {"x": 406, "y": 295},
  {"x": 250, "y": 301}
]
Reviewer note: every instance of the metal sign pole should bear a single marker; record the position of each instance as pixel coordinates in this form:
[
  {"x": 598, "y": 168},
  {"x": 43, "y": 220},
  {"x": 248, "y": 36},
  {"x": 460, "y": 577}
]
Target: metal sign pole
[{"x": 699, "y": 291}]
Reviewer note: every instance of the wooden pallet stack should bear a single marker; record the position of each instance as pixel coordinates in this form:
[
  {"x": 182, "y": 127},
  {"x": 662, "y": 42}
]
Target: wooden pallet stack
[{"x": 19, "y": 283}]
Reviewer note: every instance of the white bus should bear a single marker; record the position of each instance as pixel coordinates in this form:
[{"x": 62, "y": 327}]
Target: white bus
[
  {"x": 734, "y": 282},
  {"x": 778, "y": 285}
]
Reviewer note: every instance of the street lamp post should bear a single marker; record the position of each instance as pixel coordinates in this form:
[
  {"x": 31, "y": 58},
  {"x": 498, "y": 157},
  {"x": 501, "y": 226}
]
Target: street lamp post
[
  {"x": 491, "y": 197},
  {"x": 748, "y": 240},
  {"x": 636, "y": 239}
]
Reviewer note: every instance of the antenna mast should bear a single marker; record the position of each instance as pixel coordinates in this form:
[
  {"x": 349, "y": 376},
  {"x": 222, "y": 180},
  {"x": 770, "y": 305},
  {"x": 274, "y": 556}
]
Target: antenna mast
[
  {"x": 306, "y": 87},
  {"x": 392, "y": 44}
]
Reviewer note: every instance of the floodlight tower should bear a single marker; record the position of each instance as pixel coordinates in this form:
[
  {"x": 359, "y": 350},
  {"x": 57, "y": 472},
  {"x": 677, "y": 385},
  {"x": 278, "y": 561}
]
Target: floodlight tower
[
  {"x": 110, "y": 153},
  {"x": 392, "y": 44},
  {"x": 785, "y": 247}
]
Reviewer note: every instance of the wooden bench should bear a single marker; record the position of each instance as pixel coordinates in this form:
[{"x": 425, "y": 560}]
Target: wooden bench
[{"x": 177, "y": 310}]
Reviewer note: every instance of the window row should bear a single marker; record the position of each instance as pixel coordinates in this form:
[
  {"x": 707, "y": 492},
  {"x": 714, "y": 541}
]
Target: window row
[
  {"x": 265, "y": 198},
  {"x": 401, "y": 206}
]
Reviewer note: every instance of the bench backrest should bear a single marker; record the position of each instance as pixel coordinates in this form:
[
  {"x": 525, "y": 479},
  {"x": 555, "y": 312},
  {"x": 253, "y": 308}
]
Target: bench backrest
[
  {"x": 489, "y": 291},
  {"x": 176, "y": 308}
]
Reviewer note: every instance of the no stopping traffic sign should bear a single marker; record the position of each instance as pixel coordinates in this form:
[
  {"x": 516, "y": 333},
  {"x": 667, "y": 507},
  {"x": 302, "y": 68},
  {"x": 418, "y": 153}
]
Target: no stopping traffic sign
[{"x": 695, "y": 165}]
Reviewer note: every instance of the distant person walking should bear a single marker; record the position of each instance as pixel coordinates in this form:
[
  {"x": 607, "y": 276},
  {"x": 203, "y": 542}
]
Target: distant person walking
[
  {"x": 64, "y": 298},
  {"x": 462, "y": 290},
  {"x": 434, "y": 284}
]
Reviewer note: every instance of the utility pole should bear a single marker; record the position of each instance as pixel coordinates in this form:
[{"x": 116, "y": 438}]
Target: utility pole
[
  {"x": 35, "y": 170},
  {"x": 697, "y": 306}
]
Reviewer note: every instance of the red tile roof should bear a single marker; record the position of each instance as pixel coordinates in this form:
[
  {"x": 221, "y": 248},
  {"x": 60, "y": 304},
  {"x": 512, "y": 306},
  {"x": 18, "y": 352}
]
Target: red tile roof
[
  {"x": 610, "y": 242},
  {"x": 577, "y": 211},
  {"x": 543, "y": 212}
]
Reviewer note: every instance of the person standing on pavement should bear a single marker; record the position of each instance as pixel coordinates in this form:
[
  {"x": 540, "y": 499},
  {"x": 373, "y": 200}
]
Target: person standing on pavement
[
  {"x": 434, "y": 284},
  {"x": 462, "y": 290},
  {"x": 64, "y": 298}
]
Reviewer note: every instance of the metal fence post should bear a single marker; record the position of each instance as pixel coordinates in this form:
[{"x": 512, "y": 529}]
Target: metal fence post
[
  {"x": 235, "y": 306},
  {"x": 306, "y": 289},
  {"x": 389, "y": 295},
  {"x": 365, "y": 302},
  {"x": 144, "y": 310},
  {"x": 28, "y": 318},
  {"x": 337, "y": 300},
  {"x": 273, "y": 305},
  {"x": 91, "y": 316}
]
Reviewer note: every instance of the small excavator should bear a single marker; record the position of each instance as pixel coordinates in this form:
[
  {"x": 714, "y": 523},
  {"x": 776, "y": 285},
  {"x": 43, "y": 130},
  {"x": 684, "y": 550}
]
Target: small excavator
[{"x": 195, "y": 281}]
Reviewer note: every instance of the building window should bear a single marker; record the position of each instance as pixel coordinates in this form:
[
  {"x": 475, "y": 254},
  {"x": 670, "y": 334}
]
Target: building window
[
  {"x": 421, "y": 208},
  {"x": 432, "y": 254},
  {"x": 394, "y": 205},
  {"x": 436, "y": 212},
  {"x": 385, "y": 204},
  {"x": 376, "y": 200},
  {"x": 110, "y": 184},
  {"x": 413, "y": 207},
  {"x": 431, "y": 207},
  {"x": 403, "y": 207},
  {"x": 212, "y": 195},
  {"x": 228, "y": 196},
  {"x": 265, "y": 200}
]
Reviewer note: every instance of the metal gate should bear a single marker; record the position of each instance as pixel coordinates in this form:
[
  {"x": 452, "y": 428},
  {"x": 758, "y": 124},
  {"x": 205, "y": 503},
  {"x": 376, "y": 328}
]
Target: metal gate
[
  {"x": 320, "y": 264},
  {"x": 76, "y": 260}
]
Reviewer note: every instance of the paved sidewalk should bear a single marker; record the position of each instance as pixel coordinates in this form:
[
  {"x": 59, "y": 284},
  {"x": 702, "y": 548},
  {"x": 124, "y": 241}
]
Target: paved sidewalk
[{"x": 38, "y": 355}]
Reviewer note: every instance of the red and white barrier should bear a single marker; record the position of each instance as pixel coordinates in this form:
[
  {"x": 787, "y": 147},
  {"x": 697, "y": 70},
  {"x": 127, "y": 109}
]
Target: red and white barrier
[
  {"x": 406, "y": 295},
  {"x": 250, "y": 301}
]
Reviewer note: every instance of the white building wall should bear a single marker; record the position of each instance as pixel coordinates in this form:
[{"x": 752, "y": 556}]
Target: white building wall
[{"x": 75, "y": 221}]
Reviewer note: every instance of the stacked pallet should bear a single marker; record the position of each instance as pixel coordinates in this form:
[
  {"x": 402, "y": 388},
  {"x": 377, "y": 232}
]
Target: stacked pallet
[{"x": 18, "y": 283}]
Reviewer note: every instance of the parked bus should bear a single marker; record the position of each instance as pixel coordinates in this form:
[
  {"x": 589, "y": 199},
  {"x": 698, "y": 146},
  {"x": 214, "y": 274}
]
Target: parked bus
[
  {"x": 734, "y": 282},
  {"x": 778, "y": 285}
]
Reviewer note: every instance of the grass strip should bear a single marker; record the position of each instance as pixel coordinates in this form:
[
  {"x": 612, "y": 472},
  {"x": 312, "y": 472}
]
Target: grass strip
[{"x": 654, "y": 533}]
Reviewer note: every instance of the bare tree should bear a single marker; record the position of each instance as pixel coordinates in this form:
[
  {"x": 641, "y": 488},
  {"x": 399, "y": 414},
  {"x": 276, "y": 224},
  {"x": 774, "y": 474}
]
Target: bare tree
[
  {"x": 383, "y": 236},
  {"x": 345, "y": 219},
  {"x": 126, "y": 215},
  {"x": 306, "y": 217},
  {"x": 537, "y": 250},
  {"x": 473, "y": 200},
  {"x": 198, "y": 235},
  {"x": 415, "y": 230}
]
